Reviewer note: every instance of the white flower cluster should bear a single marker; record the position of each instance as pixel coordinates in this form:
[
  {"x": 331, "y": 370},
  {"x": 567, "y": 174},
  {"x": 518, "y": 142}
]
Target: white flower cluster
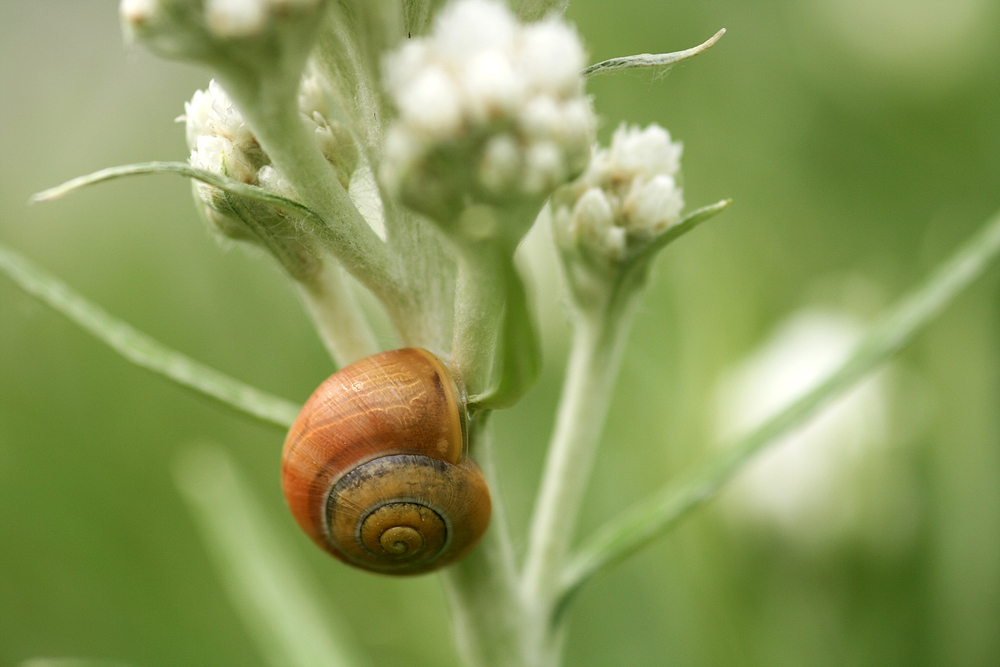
[
  {"x": 222, "y": 143},
  {"x": 489, "y": 109},
  {"x": 222, "y": 18},
  {"x": 219, "y": 140},
  {"x": 627, "y": 196}
]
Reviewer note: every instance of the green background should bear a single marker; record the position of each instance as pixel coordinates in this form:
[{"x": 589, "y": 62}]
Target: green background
[{"x": 860, "y": 143}]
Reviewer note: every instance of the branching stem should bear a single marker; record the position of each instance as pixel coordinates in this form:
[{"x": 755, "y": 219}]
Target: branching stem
[{"x": 590, "y": 376}]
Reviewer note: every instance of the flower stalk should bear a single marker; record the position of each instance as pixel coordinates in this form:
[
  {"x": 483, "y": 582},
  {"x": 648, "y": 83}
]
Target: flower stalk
[{"x": 594, "y": 360}]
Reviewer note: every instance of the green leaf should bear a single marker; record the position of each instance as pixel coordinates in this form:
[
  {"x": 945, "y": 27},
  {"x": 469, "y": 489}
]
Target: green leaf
[
  {"x": 692, "y": 220},
  {"x": 143, "y": 350},
  {"x": 281, "y": 610},
  {"x": 650, "y": 59},
  {"x": 180, "y": 168},
  {"x": 646, "y": 521},
  {"x": 519, "y": 356}
]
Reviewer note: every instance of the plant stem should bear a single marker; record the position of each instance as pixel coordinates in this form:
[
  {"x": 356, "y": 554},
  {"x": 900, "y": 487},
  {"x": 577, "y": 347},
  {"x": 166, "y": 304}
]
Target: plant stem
[
  {"x": 338, "y": 317},
  {"x": 479, "y": 300},
  {"x": 593, "y": 364},
  {"x": 487, "y": 611},
  {"x": 279, "y": 129}
]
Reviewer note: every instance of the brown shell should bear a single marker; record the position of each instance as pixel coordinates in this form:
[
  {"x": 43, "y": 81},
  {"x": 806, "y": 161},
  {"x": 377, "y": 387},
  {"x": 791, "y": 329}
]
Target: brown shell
[{"x": 374, "y": 467}]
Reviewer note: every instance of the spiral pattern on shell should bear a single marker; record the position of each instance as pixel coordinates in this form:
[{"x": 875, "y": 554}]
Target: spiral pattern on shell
[{"x": 375, "y": 469}]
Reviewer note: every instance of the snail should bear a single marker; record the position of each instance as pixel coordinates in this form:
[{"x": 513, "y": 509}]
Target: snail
[{"x": 375, "y": 468}]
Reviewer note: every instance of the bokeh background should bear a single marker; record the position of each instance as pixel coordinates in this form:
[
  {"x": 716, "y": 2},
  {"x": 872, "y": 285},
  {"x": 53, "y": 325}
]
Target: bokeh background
[{"x": 860, "y": 143}]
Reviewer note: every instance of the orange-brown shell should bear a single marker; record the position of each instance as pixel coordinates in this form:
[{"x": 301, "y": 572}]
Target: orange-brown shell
[{"x": 380, "y": 439}]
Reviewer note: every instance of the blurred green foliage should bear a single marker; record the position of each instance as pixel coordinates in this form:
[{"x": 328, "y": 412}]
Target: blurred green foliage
[{"x": 860, "y": 143}]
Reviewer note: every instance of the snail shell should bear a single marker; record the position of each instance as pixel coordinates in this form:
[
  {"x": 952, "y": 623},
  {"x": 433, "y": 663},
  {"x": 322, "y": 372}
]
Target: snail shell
[{"x": 375, "y": 468}]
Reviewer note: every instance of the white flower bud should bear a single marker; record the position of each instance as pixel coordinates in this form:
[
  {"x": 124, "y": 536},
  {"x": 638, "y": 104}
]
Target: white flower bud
[
  {"x": 472, "y": 26},
  {"x": 647, "y": 151},
  {"x": 431, "y": 103},
  {"x": 223, "y": 143},
  {"x": 653, "y": 206},
  {"x": 482, "y": 89},
  {"x": 636, "y": 180},
  {"x": 501, "y": 163},
  {"x": 493, "y": 86},
  {"x": 593, "y": 224},
  {"x": 544, "y": 169},
  {"x": 552, "y": 57},
  {"x": 186, "y": 27},
  {"x": 312, "y": 99},
  {"x": 236, "y": 18},
  {"x": 271, "y": 180},
  {"x": 220, "y": 141}
]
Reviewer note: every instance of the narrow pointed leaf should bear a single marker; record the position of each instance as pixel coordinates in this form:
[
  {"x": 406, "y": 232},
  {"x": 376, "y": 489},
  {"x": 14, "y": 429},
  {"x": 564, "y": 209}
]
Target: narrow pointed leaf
[
  {"x": 670, "y": 235},
  {"x": 520, "y": 353},
  {"x": 179, "y": 168},
  {"x": 143, "y": 350},
  {"x": 650, "y": 59}
]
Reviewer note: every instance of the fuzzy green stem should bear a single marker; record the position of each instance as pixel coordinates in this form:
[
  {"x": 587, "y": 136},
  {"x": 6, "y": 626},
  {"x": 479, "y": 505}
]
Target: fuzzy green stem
[
  {"x": 338, "y": 317},
  {"x": 479, "y": 300},
  {"x": 277, "y": 125},
  {"x": 594, "y": 360},
  {"x": 487, "y": 614}
]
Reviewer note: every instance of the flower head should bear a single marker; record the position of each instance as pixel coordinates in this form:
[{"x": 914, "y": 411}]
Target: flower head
[
  {"x": 222, "y": 143},
  {"x": 188, "y": 28},
  {"x": 628, "y": 195},
  {"x": 490, "y": 111}
]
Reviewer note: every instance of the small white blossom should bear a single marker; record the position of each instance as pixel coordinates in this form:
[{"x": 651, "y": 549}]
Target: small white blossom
[
  {"x": 487, "y": 92},
  {"x": 180, "y": 26},
  {"x": 139, "y": 12},
  {"x": 236, "y": 18},
  {"x": 271, "y": 179},
  {"x": 219, "y": 139},
  {"x": 222, "y": 142},
  {"x": 333, "y": 138},
  {"x": 628, "y": 195}
]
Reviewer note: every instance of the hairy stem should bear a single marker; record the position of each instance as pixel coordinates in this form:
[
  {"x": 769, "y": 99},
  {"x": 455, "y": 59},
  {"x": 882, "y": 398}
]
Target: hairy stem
[
  {"x": 487, "y": 613},
  {"x": 593, "y": 365},
  {"x": 344, "y": 231},
  {"x": 338, "y": 317}
]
